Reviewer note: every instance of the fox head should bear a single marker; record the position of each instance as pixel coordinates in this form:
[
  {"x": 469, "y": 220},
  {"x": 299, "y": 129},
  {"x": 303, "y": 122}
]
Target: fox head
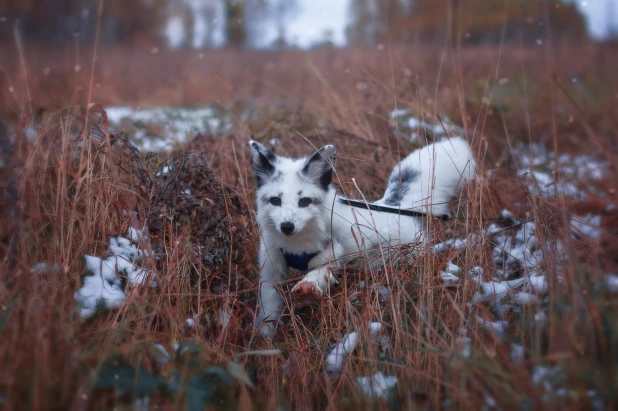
[{"x": 291, "y": 193}]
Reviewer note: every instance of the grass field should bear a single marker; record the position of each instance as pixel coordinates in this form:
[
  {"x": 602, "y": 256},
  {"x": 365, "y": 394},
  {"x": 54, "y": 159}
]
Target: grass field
[{"x": 512, "y": 304}]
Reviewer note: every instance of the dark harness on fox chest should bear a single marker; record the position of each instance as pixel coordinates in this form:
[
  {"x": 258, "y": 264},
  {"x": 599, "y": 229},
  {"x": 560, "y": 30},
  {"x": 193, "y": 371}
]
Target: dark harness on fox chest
[{"x": 299, "y": 261}]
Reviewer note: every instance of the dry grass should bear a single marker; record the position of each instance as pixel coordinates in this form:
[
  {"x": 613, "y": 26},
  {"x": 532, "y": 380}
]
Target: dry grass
[{"x": 65, "y": 189}]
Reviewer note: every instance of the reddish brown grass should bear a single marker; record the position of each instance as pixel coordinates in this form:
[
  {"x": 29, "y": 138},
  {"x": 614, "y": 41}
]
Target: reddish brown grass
[{"x": 64, "y": 192}]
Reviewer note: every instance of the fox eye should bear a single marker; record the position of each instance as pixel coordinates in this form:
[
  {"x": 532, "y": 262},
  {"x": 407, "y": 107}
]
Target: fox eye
[
  {"x": 276, "y": 201},
  {"x": 304, "y": 202}
]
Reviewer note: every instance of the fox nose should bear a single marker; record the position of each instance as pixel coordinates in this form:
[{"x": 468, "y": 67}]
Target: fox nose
[{"x": 287, "y": 228}]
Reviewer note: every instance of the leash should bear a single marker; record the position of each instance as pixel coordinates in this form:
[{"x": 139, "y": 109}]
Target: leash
[{"x": 375, "y": 207}]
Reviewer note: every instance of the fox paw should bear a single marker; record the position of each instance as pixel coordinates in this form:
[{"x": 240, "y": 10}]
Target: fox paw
[{"x": 306, "y": 291}]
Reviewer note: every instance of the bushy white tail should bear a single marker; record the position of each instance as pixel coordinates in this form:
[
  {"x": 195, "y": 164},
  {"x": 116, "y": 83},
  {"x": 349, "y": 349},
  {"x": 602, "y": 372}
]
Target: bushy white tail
[{"x": 426, "y": 179}]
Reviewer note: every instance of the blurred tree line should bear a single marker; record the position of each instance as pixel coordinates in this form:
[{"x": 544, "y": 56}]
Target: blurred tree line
[
  {"x": 370, "y": 21},
  {"x": 63, "y": 21},
  {"x": 134, "y": 21},
  {"x": 472, "y": 21}
]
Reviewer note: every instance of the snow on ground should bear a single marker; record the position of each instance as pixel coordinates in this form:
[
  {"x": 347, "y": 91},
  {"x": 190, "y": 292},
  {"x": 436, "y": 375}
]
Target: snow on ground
[
  {"x": 589, "y": 225},
  {"x": 45, "y": 267},
  {"x": 161, "y": 128},
  {"x": 449, "y": 276},
  {"x": 498, "y": 328},
  {"x": 577, "y": 173},
  {"x": 345, "y": 347},
  {"x": 464, "y": 342},
  {"x": 451, "y": 244},
  {"x": 376, "y": 386},
  {"x": 112, "y": 276},
  {"x": 611, "y": 281},
  {"x": 553, "y": 384},
  {"x": 334, "y": 360},
  {"x": 519, "y": 281},
  {"x": 224, "y": 317},
  {"x": 160, "y": 354},
  {"x": 412, "y": 129}
]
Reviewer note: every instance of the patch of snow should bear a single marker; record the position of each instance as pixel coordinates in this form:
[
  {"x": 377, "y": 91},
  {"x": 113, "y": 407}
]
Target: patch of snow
[
  {"x": 126, "y": 213},
  {"x": 122, "y": 246},
  {"x": 383, "y": 292},
  {"x": 411, "y": 127},
  {"x": 451, "y": 244},
  {"x": 385, "y": 342},
  {"x": 160, "y": 354},
  {"x": 537, "y": 284},
  {"x": 499, "y": 328},
  {"x": 523, "y": 298},
  {"x": 104, "y": 288},
  {"x": 334, "y": 360},
  {"x": 490, "y": 402},
  {"x": 549, "y": 380},
  {"x": 466, "y": 348},
  {"x": 376, "y": 386},
  {"x": 452, "y": 268},
  {"x": 611, "y": 281},
  {"x": 537, "y": 165},
  {"x": 45, "y": 267},
  {"x": 541, "y": 318},
  {"x": 164, "y": 171},
  {"x": 448, "y": 277},
  {"x": 96, "y": 291},
  {"x": 180, "y": 348},
  {"x": 141, "y": 404},
  {"x": 161, "y": 128},
  {"x": 465, "y": 342},
  {"x": 139, "y": 277},
  {"x": 224, "y": 317},
  {"x": 517, "y": 353},
  {"x": 399, "y": 112},
  {"x": 588, "y": 225},
  {"x": 491, "y": 291},
  {"x": 374, "y": 330},
  {"x": 136, "y": 235}
]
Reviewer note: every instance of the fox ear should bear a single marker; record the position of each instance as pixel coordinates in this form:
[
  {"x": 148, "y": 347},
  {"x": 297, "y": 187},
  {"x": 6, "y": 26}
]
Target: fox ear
[
  {"x": 319, "y": 167},
  {"x": 263, "y": 162}
]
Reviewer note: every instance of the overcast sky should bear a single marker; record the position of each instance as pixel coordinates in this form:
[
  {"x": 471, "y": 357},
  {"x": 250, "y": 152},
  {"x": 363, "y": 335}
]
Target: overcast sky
[
  {"x": 315, "y": 17},
  {"x": 596, "y": 12}
]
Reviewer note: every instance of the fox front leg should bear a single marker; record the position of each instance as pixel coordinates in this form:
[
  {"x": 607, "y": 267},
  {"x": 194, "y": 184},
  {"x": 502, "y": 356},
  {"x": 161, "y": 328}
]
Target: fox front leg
[
  {"x": 274, "y": 269},
  {"x": 316, "y": 283}
]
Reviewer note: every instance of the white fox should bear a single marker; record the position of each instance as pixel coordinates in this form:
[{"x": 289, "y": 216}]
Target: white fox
[{"x": 307, "y": 226}]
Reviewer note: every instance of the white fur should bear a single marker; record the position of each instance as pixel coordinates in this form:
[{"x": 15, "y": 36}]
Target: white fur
[
  {"x": 327, "y": 225},
  {"x": 444, "y": 167}
]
